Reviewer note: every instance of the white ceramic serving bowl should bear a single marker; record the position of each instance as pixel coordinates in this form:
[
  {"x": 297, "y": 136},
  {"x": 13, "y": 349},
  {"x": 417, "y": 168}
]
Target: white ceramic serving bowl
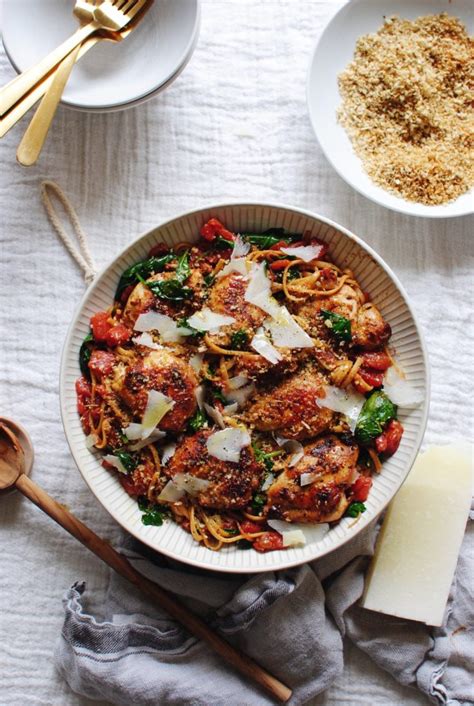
[
  {"x": 112, "y": 75},
  {"x": 374, "y": 276},
  {"x": 333, "y": 52}
]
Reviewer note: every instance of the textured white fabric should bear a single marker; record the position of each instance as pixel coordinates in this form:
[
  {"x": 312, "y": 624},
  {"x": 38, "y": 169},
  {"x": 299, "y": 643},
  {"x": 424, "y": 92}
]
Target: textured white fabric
[{"x": 233, "y": 126}]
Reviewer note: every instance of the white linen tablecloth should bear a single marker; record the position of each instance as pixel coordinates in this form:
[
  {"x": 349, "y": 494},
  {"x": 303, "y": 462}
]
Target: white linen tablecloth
[{"x": 233, "y": 126}]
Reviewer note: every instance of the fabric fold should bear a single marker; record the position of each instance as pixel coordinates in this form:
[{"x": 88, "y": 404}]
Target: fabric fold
[{"x": 292, "y": 622}]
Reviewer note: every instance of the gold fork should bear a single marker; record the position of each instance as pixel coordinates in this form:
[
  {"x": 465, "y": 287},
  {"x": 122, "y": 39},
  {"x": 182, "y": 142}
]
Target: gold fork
[
  {"x": 23, "y": 106},
  {"x": 35, "y": 135},
  {"x": 109, "y": 15},
  {"x": 33, "y": 140}
]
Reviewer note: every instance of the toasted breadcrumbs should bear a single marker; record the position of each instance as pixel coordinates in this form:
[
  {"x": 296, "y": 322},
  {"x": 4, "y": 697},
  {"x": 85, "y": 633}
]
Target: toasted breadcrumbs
[{"x": 408, "y": 107}]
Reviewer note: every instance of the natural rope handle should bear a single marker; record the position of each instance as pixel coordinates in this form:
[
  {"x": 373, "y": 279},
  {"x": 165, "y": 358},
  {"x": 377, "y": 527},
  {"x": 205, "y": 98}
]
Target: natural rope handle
[{"x": 81, "y": 255}]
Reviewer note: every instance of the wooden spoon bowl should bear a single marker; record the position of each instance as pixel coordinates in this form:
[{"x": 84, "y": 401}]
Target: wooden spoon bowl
[{"x": 16, "y": 454}]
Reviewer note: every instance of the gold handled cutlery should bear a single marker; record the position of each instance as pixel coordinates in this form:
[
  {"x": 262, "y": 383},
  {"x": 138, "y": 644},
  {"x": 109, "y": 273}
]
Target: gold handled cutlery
[{"x": 111, "y": 20}]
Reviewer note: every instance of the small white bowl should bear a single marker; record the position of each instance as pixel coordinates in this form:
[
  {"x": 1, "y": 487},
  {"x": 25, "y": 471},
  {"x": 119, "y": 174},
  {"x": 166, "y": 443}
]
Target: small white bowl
[
  {"x": 374, "y": 277},
  {"x": 333, "y": 52},
  {"x": 112, "y": 75}
]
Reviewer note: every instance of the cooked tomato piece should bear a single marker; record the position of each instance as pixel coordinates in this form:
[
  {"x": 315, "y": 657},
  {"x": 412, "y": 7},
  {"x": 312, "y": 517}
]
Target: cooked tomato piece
[
  {"x": 249, "y": 527},
  {"x": 83, "y": 392},
  {"x": 377, "y": 360},
  {"x": 213, "y": 228},
  {"x": 360, "y": 489},
  {"x": 126, "y": 293},
  {"x": 268, "y": 542},
  {"x": 118, "y": 335},
  {"x": 389, "y": 440},
  {"x": 95, "y": 406},
  {"x": 101, "y": 363},
  {"x": 100, "y": 326},
  {"x": 278, "y": 246},
  {"x": 279, "y": 265},
  {"x": 359, "y": 386},
  {"x": 323, "y": 246},
  {"x": 371, "y": 377},
  {"x": 138, "y": 481},
  {"x": 158, "y": 249},
  {"x": 327, "y": 278}
]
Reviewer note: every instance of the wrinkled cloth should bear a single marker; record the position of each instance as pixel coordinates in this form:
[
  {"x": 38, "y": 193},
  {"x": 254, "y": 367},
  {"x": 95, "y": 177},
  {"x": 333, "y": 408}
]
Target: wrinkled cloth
[
  {"x": 233, "y": 127},
  {"x": 292, "y": 622}
]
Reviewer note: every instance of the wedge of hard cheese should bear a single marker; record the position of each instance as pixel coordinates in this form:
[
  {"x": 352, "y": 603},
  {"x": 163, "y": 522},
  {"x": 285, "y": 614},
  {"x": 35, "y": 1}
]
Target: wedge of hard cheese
[{"x": 417, "y": 550}]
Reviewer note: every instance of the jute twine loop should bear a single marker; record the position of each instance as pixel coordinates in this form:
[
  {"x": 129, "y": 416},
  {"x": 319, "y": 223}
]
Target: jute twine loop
[{"x": 81, "y": 255}]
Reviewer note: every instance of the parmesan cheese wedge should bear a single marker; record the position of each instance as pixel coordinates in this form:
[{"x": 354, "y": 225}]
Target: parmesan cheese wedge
[{"x": 417, "y": 550}]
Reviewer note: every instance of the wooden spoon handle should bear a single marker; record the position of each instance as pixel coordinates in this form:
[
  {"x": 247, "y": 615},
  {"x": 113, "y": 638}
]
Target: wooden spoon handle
[{"x": 122, "y": 566}]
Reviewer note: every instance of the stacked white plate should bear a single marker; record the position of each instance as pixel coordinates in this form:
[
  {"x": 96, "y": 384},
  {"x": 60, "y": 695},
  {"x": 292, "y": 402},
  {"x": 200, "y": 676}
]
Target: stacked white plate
[
  {"x": 113, "y": 75},
  {"x": 375, "y": 277}
]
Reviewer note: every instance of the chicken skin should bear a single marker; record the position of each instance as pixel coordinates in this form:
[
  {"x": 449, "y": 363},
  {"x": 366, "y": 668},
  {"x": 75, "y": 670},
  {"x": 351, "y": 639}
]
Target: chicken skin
[
  {"x": 368, "y": 327},
  {"x": 231, "y": 484},
  {"x": 162, "y": 371},
  {"x": 291, "y": 408},
  {"x": 227, "y": 296},
  {"x": 139, "y": 301},
  {"x": 332, "y": 465},
  {"x": 370, "y": 330}
]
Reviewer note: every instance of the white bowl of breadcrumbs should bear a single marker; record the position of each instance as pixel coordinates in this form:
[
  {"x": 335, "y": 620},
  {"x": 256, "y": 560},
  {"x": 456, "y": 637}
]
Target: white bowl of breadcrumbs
[{"x": 391, "y": 100}]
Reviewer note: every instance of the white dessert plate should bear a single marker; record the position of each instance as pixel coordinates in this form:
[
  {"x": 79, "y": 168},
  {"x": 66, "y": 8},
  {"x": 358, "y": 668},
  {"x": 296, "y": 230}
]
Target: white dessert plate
[
  {"x": 112, "y": 75},
  {"x": 333, "y": 52},
  {"x": 374, "y": 276}
]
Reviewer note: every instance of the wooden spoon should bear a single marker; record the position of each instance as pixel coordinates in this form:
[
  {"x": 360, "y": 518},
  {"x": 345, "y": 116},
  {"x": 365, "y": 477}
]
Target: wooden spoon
[
  {"x": 13, "y": 463},
  {"x": 13, "y": 434}
]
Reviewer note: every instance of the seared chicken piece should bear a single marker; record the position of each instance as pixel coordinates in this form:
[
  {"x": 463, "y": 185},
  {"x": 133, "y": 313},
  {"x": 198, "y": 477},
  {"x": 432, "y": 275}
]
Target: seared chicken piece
[
  {"x": 370, "y": 330},
  {"x": 368, "y": 327},
  {"x": 231, "y": 484},
  {"x": 142, "y": 299},
  {"x": 139, "y": 301},
  {"x": 332, "y": 463},
  {"x": 162, "y": 371},
  {"x": 255, "y": 367},
  {"x": 346, "y": 303},
  {"x": 291, "y": 408},
  {"x": 227, "y": 296}
]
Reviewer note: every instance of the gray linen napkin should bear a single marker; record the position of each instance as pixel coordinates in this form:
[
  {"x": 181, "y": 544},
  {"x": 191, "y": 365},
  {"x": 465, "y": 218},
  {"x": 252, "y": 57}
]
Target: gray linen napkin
[{"x": 292, "y": 622}]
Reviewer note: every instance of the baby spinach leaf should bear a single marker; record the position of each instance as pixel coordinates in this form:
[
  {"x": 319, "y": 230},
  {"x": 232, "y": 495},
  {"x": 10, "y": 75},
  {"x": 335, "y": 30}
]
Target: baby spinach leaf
[
  {"x": 173, "y": 289},
  {"x": 170, "y": 289},
  {"x": 197, "y": 421},
  {"x": 244, "y": 544},
  {"x": 265, "y": 457},
  {"x": 355, "y": 509},
  {"x": 337, "y": 324},
  {"x": 85, "y": 352},
  {"x": 239, "y": 339},
  {"x": 222, "y": 244},
  {"x": 378, "y": 409},
  {"x": 152, "y": 514},
  {"x": 129, "y": 462},
  {"x": 258, "y": 502},
  {"x": 183, "y": 269},
  {"x": 209, "y": 280},
  {"x": 270, "y": 237},
  {"x": 143, "y": 269},
  {"x": 183, "y": 323}
]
